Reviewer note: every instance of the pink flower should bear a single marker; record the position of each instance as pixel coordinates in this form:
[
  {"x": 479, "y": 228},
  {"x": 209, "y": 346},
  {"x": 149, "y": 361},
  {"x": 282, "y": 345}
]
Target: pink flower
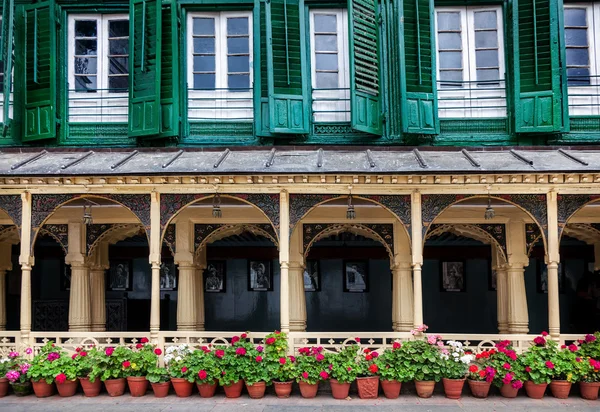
[
  {"x": 126, "y": 364},
  {"x": 527, "y": 369},
  {"x": 507, "y": 378},
  {"x": 13, "y": 375},
  {"x": 109, "y": 351},
  {"x": 440, "y": 344},
  {"x": 319, "y": 357},
  {"x": 235, "y": 339},
  {"x": 61, "y": 378},
  {"x": 258, "y": 358},
  {"x": 544, "y": 333},
  {"x": 506, "y": 365},
  {"x": 24, "y": 368},
  {"x": 52, "y": 356},
  {"x": 374, "y": 354},
  {"x": 292, "y": 359},
  {"x": 74, "y": 356},
  {"x": 144, "y": 340},
  {"x": 573, "y": 348},
  {"x": 357, "y": 340},
  {"x": 243, "y": 336},
  {"x": 202, "y": 374},
  {"x": 324, "y": 375},
  {"x": 282, "y": 361},
  {"x": 139, "y": 346},
  {"x": 277, "y": 332},
  {"x": 270, "y": 341},
  {"x": 578, "y": 359},
  {"x": 396, "y": 345},
  {"x": 349, "y": 368},
  {"x": 539, "y": 341},
  {"x": 330, "y": 366},
  {"x": 511, "y": 354},
  {"x": 549, "y": 365},
  {"x": 431, "y": 340},
  {"x": 184, "y": 369},
  {"x": 563, "y": 346},
  {"x": 260, "y": 349},
  {"x": 29, "y": 351},
  {"x": 157, "y": 352},
  {"x": 373, "y": 368},
  {"x": 219, "y": 353},
  {"x": 590, "y": 338},
  {"x": 240, "y": 351},
  {"x": 305, "y": 375},
  {"x": 517, "y": 384},
  {"x": 83, "y": 354}
]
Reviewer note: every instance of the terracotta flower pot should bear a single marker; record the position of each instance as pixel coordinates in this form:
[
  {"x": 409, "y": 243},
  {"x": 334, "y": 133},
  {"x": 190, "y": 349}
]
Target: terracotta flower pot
[
  {"x": 308, "y": 390},
  {"x": 182, "y": 387},
  {"x": 560, "y": 389},
  {"x": 207, "y": 390},
  {"x": 424, "y": 388},
  {"x": 138, "y": 385},
  {"x": 161, "y": 389},
  {"x": 368, "y": 387},
  {"x": 535, "y": 390},
  {"x": 339, "y": 390},
  {"x": 67, "y": 388},
  {"x": 283, "y": 389},
  {"x": 589, "y": 390},
  {"x": 256, "y": 390},
  {"x": 453, "y": 387},
  {"x": 3, "y": 387},
  {"x": 234, "y": 390},
  {"x": 508, "y": 391},
  {"x": 91, "y": 389},
  {"x": 391, "y": 389},
  {"x": 115, "y": 387},
  {"x": 21, "y": 388},
  {"x": 479, "y": 389},
  {"x": 42, "y": 389}
]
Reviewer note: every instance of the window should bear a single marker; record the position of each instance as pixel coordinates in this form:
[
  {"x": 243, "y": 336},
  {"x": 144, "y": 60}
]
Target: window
[
  {"x": 219, "y": 50},
  {"x": 470, "y": 62},
  {"x": 98, "y": 68},
  {"x": 329, "y": 65},
  {"x": 1, "y": 78}
]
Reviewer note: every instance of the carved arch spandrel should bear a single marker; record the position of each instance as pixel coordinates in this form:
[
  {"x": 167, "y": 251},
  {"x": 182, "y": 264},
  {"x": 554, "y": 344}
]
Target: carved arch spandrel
[{"x": 218, "y": 232}]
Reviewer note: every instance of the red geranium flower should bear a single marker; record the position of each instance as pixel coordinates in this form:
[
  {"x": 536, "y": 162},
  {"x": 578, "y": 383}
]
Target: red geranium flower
[
  {"x": 126, "y": 364},
  {"x": 373, "y": 368},
  {"x": 549, "y": 365},
  {"x": 270, "y": 341},
  {"x": 573, "y": 348},
  {"x": 324, "y": 375},
  {"x": 157, "y": 352},
  {"x": 396, "y": 345},
  {"x": 305, "y": 375},
  {"x": 367, "y": 350},
  {"x": 243, "y": 336},
  {"x": 235, "y": 339},
  {"x": 320, "y": 357},
  {"x": 258, "y": 358},
  {"x": 357, "y": 340},
  {"x": 144, "y": 340},
  {"x": 219, "y": 353},
  {"x": 83, "y": 353},
  {"x": 109, "y": 351},
  {"x": 473, "y": 368},
  {"x": 544, "y": 333},
  {"x": 282, "y": 361},
  {"x": 61, "y": 378},
  {"x": 74, "y": 356},
  {"x": 202, "y": 374},
  {"x": 527, "y": 369},
  {"x": 139, "y": 346},
  {"x": 506, "y": 365},
  {"x": 183, "y": 370},
  {"x": 78, "y": 350},
  {"x": 240, "y": 351},
  {"x": 368, "y": 357}
]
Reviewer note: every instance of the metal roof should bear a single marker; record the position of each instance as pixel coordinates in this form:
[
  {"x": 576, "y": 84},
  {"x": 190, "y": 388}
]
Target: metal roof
[{"x": 284, "y": 160}]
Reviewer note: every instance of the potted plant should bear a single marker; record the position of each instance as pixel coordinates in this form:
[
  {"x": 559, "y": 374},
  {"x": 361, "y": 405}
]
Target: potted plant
[
  {"x": 66, "y": 381},
  {"x": 159, "y": 380},
  {"x": 282, "y": 368},
  {"x": 142, "y": 357},
  {"x": 17, "y": 373},
  {"x": 343, "y": 370},
  {"x": 561, "y": 364},
  {"x": 311, "y": 369},
  {"x": 86, "y": 362},
  {"x": 4, "y": 368},
  {"x": 422, "y": 358},
  {"x": 537, "y": 373},
  {"x": 589, "y": 346},
  {"x": 481, "y": 374},
  {"x": 509, "y": 372},
  {"x": 589, "y": 372},
  {"x": 256, "y": 374},
  {"x": 204, "y": 366},
  {"x": 368, "y": 381},
  {"x": 113, "y": 363},
  {"x": 43, "y": 370},
  {"x": 454, "y": 368},
  {"x": 233, "y": 360},
  {"x": 392, "y": 371},
  {"x": 177, "y": 359}
]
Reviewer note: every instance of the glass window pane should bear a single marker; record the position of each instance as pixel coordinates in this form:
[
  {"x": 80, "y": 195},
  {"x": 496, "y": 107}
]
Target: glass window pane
[
  {"x": 325, "y": 23},
  {"x": 204, "y": 26},
  {"x": 118, "y": 65},
  {"x": 577, "y": 57},
  {"x": 453, "y": 78},
  {"x": 118, "y": 28},
  {"x": 84, "y": 83},
  {"x": 576, "y": 37},
  {"x": 238, "y": 81},
  {"x": 486, "y": 39},
  {"x": 449, "y": 41},
  {"x": 85, "y": 28},
  {"x": 450, "y": 60},
  {"x": 118, "y": 84},
  {"x": 204, "y": 63},
  {"x": 118, "y": 47},
  {"x": 448, "y": 21},
  {"x": 486, "y": 58},
  {"x": 327, "y": 80},
  {"x": 237, "y": 45},
  {"x": 204, "y": 81},
  {"x": 85, "y": 47},
  {"x": 488, "y": 74},
  {"x": 325, "y": 42},
  {"x": 326, "y": 61},
  {"x": 578, "y": 76},
  {"x": 238, "y": 64},
  {"x": 485, "y": 20},
  {"x": 204, "y": 45},
  {"x": 84, "y": 65},
  {"x": 237, "y": 26},
  {"x": 575, "y": 17}
]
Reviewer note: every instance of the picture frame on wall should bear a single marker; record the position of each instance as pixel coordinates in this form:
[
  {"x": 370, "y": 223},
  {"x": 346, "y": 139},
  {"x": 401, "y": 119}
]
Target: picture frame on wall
[
  {"x": 453, "y": 277},
  {"x": 260, "y": 276},
  {"x": 542, "y": 278},
  {"x": 65, "y": 277},
  {"x": 215, "y": 276},
  {"x": 168, "y": 275},
  {"x": 312, "y": 276},
  {"x": 356, "y": 276},
  {"x": 119, "y": 275}
]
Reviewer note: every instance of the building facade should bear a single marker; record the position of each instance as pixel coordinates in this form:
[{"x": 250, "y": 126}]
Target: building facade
[{"x": 191, "y": 169}]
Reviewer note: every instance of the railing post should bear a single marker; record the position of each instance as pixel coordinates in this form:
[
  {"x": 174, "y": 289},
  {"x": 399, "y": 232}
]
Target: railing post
[
  {"x": 155, "y": 263},
  {"x": 26, "y": 261}
]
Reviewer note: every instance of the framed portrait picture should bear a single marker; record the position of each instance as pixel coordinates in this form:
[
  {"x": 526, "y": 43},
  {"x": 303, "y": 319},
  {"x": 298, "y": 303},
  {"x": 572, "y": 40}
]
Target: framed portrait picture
[
  {"x": 168, "y": 275},
  {"x": 542, "y": 278},
  {"x": 119, "y": 275},
  {"x": 260, "y": 276},
  {"x": 453, "y": 276},
  {"x": 312, "y": 276},
  {"x": 65, "y": 276},
  {"x": 214, "y": 276},
  {"x": 356, "y": 276}
]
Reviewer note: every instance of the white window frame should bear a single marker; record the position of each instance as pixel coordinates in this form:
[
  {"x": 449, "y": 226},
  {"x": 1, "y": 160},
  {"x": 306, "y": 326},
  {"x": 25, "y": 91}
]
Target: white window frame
[
  {"x": 222, "y": 103},
  {"x": 83, "y": 107},
  {"x": 585, "y": 100},
  {"x": 10, "y": 109},
  {"x": 332, "y": 105},
  {"x": 473, "y": 100}
]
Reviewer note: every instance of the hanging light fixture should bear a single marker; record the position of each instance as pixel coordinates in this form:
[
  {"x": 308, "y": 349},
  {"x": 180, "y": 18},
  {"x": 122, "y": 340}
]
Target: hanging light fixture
[
  {"x": 489, "y": 210},
  {"x": 87, "y": 214},
  {"x": 350, "y": 212},
  {"x": 216, "y": 210}
]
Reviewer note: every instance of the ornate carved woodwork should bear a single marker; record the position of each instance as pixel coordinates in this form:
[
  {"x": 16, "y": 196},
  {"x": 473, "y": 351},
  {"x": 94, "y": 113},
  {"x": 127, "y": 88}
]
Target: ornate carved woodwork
[
  {"x": 13, "y": 207},
  {"x": 312, "y": 232},
  {"x": 60, "y": 233}
]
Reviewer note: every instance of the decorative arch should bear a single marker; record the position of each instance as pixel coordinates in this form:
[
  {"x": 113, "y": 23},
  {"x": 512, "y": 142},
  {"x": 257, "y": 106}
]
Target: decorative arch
[
  {"x": 9, "y": 234},
  {"x": 569, "y": 205},
  {"x": 206, "y": 234},
  {"x": 589, "y": 234},
  {"x": 60, "y": 233},
  {"x": 111, "y": 233}
]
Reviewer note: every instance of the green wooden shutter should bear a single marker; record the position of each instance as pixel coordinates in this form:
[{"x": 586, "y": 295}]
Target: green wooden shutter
[
  {"x": 537, "y": 80},
  {"x": 169, "y": 85},
  {"x": 365, "y": 101},
  {"x": 286, "y": 66},
  {"x": 261, "y": 80},
  {"x": 40, "y": 71},
  {"x": 6, "y": 56},
  {"x": 144, "y": 67},
  {"x": 418, "y": 80}
]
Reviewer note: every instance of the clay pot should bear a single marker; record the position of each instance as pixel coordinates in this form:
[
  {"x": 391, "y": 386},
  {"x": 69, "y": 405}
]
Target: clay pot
[
  {"x": 453, "y": 387},
  {"x": 535, "y": 390},
  {"x": 283, "y": 389},
  {"x": 138, "y": 385},
  {"x": 115, "y": 387},
  {"x": 3, "y": 387},
  {"x": 391, "y": 389},
  {"x": 308, "y": 390},
  {"x": 508, "y": 391},
  {"x": 21, "y": 388},
  {"x": 182, "y": 387},
  {"x": 589, "y": 390},
  {"x": 67, "y": 388},
  {"x": 339, "y": 390},
  {"x": 42, "y": 389},
  {"x": 424, "y": 388},
  {"x": 479, "y": 389},
  {"x": 91, "y": 389},
  {"x": 560, "y": 389},
  {"x": 161, "y": 389},
  {"x": 368, "y": 387},
  {"x": 207, "y": 390},
  {"x": 234, "y": 390},
  {"x": 256, "y": 390}
]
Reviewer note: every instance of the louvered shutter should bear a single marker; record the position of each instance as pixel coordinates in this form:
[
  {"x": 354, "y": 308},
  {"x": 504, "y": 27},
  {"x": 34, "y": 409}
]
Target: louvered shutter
[
  {"x": 39, "y": 101},
  {"x": 261, "y": 78},
  {"x": 144, "y": 67},
  {"x": 365, "y": 90},
  {"x": 537, "y": 81},
  {"x": 6, "y": 56},
  {"x": 286, "y": 67},
  {"x": 169, "y": 71},
  {"x": 418, "y": 80}
]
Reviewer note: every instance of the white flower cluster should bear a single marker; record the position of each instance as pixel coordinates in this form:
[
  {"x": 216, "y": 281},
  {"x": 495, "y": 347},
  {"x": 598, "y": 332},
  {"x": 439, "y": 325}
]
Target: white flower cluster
[
  {"x": 456, "y": 352},
  {"x": 4, "y": 360},
  {"x": 176, "y": 353}
]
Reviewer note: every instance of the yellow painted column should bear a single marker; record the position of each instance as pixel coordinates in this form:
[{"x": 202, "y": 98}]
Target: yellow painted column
[
  {"x": 186, "y": 291},
  {"x": 402, "y": 297},
  {"x": 517, "y": 311},
  {"x": 155, "y": 264},
  {"x": 98, "y": 266},
  {"x": 284, "y": 256},
  {"x": 297, "y": 297},
  {"x": 552, "y": 261},
  {"x": 80, "y": 315},
  {"x": 501, "y": 290},
  {"x": 417, "y": 258},
  {"x": 5, "y": 264},
  {"x": 199, "y": 285},
  {"x": 26, "y": 261}
]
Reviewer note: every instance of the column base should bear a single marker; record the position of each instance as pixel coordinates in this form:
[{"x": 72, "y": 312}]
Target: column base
[
  {"x": 502, "y": 328},
  {"x": 402, "y": 326},
  {"x": 188, "y": 327},
  {"x": 297, "y": 326},
  {"x": 80, "y": 328},
  {"x": 99, "y": 328},
  {"x": 200, "y": 327},
  {"x": 518, "y": 328}
]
